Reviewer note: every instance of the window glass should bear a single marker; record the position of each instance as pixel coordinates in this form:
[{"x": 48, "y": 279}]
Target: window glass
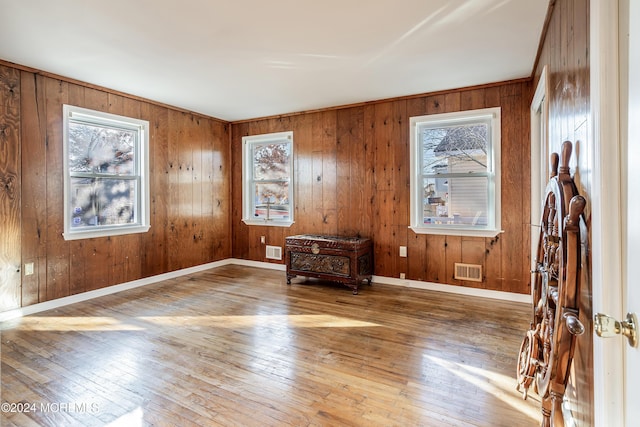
[
  {"x": 455, "y": 188},
  {"x": 106, "y": 180},
  {"x": 267, "y": 176}
]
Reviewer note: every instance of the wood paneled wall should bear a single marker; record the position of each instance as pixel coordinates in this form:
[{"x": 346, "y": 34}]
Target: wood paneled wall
[
  {"x": 565, "y": 53},
  {"x": 190, "y": 193},
  {"x": 352, "y": 178},
  {"x": 10, "y": 184}
]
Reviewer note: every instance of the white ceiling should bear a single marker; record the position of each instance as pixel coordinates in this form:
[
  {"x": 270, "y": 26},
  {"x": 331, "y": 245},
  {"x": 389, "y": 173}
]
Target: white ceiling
[{"x": 241, "y": 59}]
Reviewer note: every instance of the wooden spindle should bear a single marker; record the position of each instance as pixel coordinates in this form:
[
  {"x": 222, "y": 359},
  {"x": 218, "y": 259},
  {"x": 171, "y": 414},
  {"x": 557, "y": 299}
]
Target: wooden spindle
[
  {"x": 576, "y": 207},
  {"x": 565, "y": 157},
  {"x": 555, "y": 159}
]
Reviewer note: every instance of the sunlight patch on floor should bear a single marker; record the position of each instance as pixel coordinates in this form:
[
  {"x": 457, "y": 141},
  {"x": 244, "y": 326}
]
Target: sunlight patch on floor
[
  {"x": 134, "y": 418},
  {"x": 498, "y": 385},
  {"x": 75, "y": 323},
  {"x": 274, "y": 320},
  {"x": 104, "y": 323}
]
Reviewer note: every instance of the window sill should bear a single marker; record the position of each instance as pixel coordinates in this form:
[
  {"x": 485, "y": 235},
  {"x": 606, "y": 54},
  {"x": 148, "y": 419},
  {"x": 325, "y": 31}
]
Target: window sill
[
  {"x": 268, "y": 223},
  {"x": 454, "y": 231},
  {"x": 104, "y": 232}
]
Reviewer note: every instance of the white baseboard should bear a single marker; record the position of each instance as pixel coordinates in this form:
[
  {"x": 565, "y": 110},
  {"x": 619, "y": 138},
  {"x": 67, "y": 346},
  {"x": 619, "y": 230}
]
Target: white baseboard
[
  {"x": 461, "y": 290},
  {"x": 258, "y": 264},
  {"x": 60, "y": 302},
  {"x": 84, "y": 296}
]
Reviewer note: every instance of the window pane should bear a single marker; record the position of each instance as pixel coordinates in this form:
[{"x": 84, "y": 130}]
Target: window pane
[
  {"x": 455, "y": 201},
  {"x": 454, "y": 149},
  {"x": 97, "y": 149},
  {"x": 271, "y": 161},
  {"x": 98, "y": 201},
  {"x": 272, "y": 201}
]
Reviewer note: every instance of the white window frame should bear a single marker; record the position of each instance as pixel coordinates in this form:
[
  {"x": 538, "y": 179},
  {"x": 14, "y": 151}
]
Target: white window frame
[
  {"x": 248, "y": 206},
  {"x": 493, "y": 227},
  {"x": 141, "y": 127}
]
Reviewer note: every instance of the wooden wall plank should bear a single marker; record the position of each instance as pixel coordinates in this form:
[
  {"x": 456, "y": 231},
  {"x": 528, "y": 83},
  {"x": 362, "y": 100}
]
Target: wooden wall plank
[
  {"x": 472, "y": 99},
  {"x": 512, "y": 190},
  {"x": 305, "y": 216},
  {"x": 436, "y": 259},
  {"x": 329, "y": 173},
  {"x": 384, "y": 178},
  {"x": 205, "y": 172},
  {"x": 437, "y": 104},
  {"x": 220, "y": 187},
  {"x": 344, "y": 198},
  {"x": 493, "y": 263},
  {"x": 417, "y": 256},
  {"x": 525, "y": 183},
  {"x": 10, "y": 189},
  {"x": 173, "y": 188},
  {"x": 473, "y": 252},
  {"x": 34, "y": 209},
  {"x": 156, "y": 245},
  {"x": 401, "y": 167},
  {"x": 58, "y": 256},
  {"x": 452, "y": 102},
  {"x": 453, "y": 254}
]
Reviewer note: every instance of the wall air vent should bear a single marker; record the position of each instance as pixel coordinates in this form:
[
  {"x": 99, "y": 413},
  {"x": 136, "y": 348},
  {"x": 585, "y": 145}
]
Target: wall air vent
[
  {"x": 470, "y": 272},
  {"x": 274, "y": 252}
]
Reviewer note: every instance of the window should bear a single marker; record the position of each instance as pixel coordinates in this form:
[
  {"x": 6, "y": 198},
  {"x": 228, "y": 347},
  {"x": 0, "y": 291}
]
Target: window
[
  {"x": 267, "y": 189},
  {"x": 106, "y": 180},
  {"x": 455, "y": 179}
]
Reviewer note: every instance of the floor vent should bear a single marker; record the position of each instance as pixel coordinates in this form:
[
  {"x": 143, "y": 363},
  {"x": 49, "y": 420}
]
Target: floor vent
[
  {"x": 274, "y": 252},
  {"x": 471, "y": 272}
]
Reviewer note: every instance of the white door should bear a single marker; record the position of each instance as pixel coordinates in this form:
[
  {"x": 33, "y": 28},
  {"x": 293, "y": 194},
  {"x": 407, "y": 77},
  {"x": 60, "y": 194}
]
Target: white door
[
  {"x": 615, "y": 107},
  {"x": 631, "y": 290}
]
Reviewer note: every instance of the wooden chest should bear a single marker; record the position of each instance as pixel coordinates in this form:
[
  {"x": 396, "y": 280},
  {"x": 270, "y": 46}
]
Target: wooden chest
[{"x": 348, "y": 260}]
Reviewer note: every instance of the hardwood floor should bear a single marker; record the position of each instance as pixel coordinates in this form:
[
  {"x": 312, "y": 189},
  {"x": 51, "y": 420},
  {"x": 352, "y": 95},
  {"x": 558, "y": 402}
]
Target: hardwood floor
[{"x": 236, "y": 346}]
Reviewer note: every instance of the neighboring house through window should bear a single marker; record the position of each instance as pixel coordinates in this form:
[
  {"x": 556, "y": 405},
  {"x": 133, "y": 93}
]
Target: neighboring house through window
[
  {"x": 267, "y": 173},
  {"x": 455, "y": 179},
  {"x": 106, "y": 179}
]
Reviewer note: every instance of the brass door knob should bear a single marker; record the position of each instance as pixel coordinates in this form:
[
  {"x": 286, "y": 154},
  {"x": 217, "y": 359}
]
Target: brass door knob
[{"x": 606, "y": 326}]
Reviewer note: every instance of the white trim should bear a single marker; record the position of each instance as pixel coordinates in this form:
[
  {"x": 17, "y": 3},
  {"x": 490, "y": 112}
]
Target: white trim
[
  {"x": 258, "y": 264},
  {"x": 456, "y": 232},
  {"x": 142, "y": 211},
  {"x": 608, "y": 355},
  {"x": 539, "y": 154},
  {"x": 85, "y": 296},
  {"x": 459, "y": 290},
  {"x": 272, "y": 223},
  {"x": 247, "y": 179},
  {"x": 493, "y": 228}
]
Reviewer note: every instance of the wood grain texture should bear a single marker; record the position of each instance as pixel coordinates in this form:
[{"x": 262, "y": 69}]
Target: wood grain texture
[
  {"x": 10, "y": 189},
  {"x": 190, "y": 192},
  {"x": 352, "y": 169},
  {"x": 229, "y": 352},
  {"x": 34, "y": 208},
  {"x": 565, "y": 53}
]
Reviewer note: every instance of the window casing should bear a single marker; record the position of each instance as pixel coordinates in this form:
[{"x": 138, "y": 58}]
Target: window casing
[
  {"x": 105, "y": 174},
  {"x": 455, "y": 178},
  {"x": 267, "y": 173}
]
